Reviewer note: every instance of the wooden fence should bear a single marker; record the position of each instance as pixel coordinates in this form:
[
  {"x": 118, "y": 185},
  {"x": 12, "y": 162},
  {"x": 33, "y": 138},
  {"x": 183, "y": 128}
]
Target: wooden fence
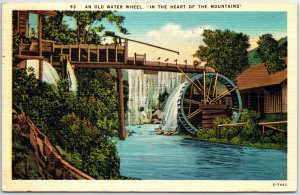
[
  {"x": 277, "y": 126},
  {"x": 52, "y": 165}
]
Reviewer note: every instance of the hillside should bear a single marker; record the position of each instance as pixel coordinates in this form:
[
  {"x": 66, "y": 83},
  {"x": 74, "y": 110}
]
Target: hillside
[{"x": 251, "y": 54}]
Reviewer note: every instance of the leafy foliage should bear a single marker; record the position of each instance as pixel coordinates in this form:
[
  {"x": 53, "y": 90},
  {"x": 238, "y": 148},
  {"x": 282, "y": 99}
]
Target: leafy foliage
[
  {"x": 91, "y": 149},
  {"x": 80, "y": 125},
  {"x": 87, "y": 29},
  {"x": 253, "y": 58},
  {"x": 16, "y": 42},
  {"x": 225, "y": 51},
  {"x": 271, "y": 53},
  {"x": 249, "y": 134},
  {"x": 206, "y": 133}
]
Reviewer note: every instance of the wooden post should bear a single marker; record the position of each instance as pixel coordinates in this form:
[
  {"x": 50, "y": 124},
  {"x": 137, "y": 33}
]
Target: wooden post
[
  {"x": 144, "y": 58},
  {"x": 204, "y": 87},
  {"x": 89, "y": 53},
  {"x": 106, "y": 53},
  {"x": 70, "y": 52},
  {"x": 98, "y": 55},
  {"x": 116, "y": 50},
  {"x": 52, "y": 52},
  {"x": 40, "y": 48},
  {"x": 258, "y": 101},
  {"x": 218, "y": 132},
  {"x": 190, "y": 103},
  {"x": 121, "y": 110},
  {"x": 125, "y": 51},
  {"x": 21, "y": 46},
  {"x": 62, "y": 65},
  {"x": 249, "y": 99},
  {"x": 79, "y": 53},
  {"x": 134, "y": 59}
]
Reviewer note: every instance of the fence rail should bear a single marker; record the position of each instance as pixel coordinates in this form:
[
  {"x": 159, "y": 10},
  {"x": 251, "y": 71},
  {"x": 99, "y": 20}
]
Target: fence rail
[
  {"x": 218, "y": 129},
  {"x": 276, "y": 128},
  {"x": 47, "y": 156}
]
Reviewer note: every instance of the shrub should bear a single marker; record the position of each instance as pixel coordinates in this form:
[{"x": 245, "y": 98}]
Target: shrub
[
  {"x": 102, "y": 163},
  {"x": 250, "y": 132},
  {"x": 82, "y": 126},
  {"x": 206, "y": 133}
]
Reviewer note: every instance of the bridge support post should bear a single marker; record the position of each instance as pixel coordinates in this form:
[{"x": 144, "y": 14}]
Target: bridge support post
[
  {"x": 40, "y": 47},
  {"x": 121, "y": 110}
]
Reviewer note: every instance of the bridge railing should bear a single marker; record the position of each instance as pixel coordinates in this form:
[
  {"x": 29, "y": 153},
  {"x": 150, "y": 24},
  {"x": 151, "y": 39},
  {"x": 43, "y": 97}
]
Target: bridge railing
[{"x": 90, "y": 53}]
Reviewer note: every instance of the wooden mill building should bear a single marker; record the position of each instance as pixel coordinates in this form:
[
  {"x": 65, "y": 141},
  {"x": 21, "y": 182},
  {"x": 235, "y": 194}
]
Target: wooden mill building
[{"x": 263, "y": 92}]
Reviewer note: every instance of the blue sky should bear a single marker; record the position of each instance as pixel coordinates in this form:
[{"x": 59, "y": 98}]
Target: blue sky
[
  {"x": 182, "y": 31},
  {"x": 248, "y": 22}
]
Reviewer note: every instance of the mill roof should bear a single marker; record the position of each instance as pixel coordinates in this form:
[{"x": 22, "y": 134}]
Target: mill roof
[{"x": 258, "y": 76}]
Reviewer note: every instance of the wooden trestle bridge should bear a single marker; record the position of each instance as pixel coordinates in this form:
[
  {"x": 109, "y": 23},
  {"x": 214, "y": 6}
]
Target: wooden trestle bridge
[{"x": 98, "y": 56}]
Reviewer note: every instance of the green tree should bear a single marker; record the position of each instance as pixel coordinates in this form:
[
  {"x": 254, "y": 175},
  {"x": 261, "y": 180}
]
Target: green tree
[
  {"x": 88, "y": 26},
  {"x": 55, "y": 29},
  {"x": 271, "y": 53},
  {"x": 225, "y": 51},
  {"x": 80, "y": 125}
]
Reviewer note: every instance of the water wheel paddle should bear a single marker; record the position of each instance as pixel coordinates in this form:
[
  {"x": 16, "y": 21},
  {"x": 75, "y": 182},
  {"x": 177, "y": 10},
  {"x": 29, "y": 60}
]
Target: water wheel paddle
[{"x": 221, "y": 99}]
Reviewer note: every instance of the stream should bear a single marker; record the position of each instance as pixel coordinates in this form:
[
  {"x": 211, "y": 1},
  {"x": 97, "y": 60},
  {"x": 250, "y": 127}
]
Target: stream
[{"x": 145, "y": 155}]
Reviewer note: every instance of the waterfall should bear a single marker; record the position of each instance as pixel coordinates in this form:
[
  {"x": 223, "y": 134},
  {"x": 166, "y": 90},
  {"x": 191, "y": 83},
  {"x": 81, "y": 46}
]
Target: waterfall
[
  {"x": 72, "y": 80},
  {"x": 51, "y": 76},
  {"x": 143, "y": 93},
  {"x": 169, "y": 121},
  {"x": 49, "y": 73}
]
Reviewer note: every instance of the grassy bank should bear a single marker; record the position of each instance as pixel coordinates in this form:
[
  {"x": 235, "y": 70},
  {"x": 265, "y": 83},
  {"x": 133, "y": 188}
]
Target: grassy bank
[
  {"x": 249, "y": 135},
  {"x": 247, "y": 144}
]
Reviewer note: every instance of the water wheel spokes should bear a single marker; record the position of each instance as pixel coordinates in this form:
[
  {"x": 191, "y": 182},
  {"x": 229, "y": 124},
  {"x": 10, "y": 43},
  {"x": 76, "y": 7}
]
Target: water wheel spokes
[
  {"x": 222, "y": 95},
  {"x": 205, "y": 97},
  {"x": 194, "y": 113}
]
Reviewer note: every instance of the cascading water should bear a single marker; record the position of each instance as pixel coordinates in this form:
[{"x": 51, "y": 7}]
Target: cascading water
[
  {"x": 51, "y": 76},
  {"x": 169, "y": 121},
  {"x": 72, "y": 80},
  {"x": 49, "y": 73},
  {"x": 143, "y": 93}
]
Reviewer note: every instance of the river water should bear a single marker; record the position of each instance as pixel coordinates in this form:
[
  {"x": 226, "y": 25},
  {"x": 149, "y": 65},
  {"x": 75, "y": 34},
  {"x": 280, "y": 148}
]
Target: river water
[{"x": 145, "y": 155}]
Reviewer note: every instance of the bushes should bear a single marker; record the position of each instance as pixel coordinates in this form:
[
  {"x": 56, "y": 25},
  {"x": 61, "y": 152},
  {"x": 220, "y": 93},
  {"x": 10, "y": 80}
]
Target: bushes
[
  {"x": 206, "y": 133},
  {"x": 249, "y": 134},
  {"x": 101, "y": 162},
  {"x": 83, "y": 126}
]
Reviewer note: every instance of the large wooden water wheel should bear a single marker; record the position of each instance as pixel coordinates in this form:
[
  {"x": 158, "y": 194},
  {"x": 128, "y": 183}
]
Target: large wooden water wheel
[{"x": 204, "y": 98}]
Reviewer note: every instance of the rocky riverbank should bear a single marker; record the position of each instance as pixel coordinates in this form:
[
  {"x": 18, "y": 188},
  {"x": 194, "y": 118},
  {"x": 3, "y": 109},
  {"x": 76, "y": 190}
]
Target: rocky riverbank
[{"x": 160, "y": 132}]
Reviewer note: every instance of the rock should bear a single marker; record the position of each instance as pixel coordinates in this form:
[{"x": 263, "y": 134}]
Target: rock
[
  {"x": 155, "y": 121},
  {"x": 167, "y": 133},
  {"x": 158, "y": 114}
]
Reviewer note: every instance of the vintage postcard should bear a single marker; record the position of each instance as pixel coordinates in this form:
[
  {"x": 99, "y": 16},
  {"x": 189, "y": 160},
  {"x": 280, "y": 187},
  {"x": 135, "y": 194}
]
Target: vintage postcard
[{"x": 149, "y": 97}]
